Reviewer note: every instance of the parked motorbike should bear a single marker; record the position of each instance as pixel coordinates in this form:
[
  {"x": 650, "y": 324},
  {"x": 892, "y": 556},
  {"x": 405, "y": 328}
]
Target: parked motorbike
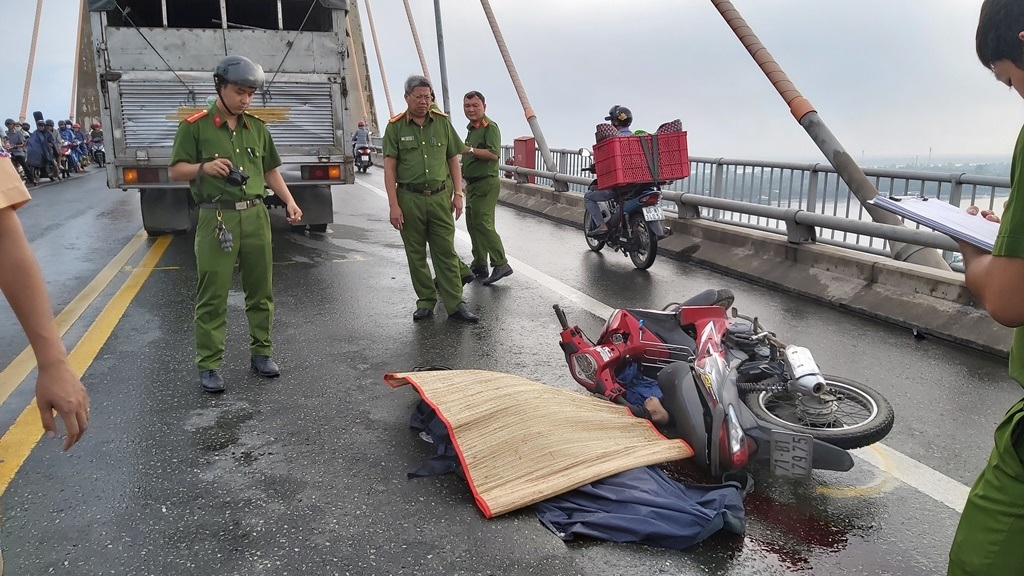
[
  {"x": 633, "y": 218},
  {"x": 734, "y": 392},
  {"x": 363, "y": 160},
  {"x": 98, "y": 154}
]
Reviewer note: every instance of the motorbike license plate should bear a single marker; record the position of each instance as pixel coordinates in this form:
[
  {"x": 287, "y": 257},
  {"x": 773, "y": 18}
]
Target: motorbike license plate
[
  {"x": 791, "y": 454},
  {"x": 366, "y": 158},
  {"x": 653, "y": 213}
]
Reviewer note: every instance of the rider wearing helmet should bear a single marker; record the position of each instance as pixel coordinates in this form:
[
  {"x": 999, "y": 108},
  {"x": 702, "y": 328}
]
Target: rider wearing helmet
[
  {"x": 620, "y": 118},
  {"x": 96, "y": 134},
  {"x": 230, "y": 158},
  {"x": 361, "y": 137},
  {"x": 16, "y": 143}
]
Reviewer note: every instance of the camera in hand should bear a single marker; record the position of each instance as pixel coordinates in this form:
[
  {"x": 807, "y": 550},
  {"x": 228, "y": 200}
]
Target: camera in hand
[{"x": 235, "y": 177}]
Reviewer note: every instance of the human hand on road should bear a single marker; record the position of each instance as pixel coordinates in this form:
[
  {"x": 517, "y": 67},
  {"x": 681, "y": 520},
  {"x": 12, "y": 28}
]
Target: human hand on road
[
  {"x": 986, "y": 214},
  {"x": 57, "y": 388},
  {"x": 294, "y": 212},
  {"x": 219, "y": 167},
  {"x": 397, "y": 218},
  {"x": 457, "y": 205}
]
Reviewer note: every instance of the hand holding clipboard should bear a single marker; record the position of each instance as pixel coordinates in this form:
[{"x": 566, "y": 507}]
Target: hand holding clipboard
[{"x": 955, "y": 222}]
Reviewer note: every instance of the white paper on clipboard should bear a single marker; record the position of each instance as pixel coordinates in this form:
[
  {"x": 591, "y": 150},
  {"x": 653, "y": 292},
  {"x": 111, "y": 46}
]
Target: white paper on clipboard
[{"x": 942, "y": 217}]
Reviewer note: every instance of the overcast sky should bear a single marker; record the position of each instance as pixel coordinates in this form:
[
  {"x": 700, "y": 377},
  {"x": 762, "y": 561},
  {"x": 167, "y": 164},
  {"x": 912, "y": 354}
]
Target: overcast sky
[{"x": 890, "y": 78}]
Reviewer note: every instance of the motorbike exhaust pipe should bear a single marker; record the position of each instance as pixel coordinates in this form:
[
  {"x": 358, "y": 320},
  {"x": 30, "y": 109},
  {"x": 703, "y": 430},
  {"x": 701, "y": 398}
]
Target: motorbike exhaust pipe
[{"x": 806, "y": 376}]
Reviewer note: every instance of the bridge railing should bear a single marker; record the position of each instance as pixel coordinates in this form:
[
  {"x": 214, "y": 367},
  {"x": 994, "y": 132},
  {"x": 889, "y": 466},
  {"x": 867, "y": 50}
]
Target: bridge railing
[{"x": 759, "y": 194}]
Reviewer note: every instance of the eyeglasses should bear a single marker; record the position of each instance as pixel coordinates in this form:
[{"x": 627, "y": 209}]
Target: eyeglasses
[{"x": 422, "y": 98}]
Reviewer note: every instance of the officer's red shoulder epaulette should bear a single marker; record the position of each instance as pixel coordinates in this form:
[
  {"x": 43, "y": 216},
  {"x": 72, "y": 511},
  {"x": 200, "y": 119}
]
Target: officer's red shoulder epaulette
[
  {"x": 396, "y": 117},
  {"x": 196, "y": 116}
]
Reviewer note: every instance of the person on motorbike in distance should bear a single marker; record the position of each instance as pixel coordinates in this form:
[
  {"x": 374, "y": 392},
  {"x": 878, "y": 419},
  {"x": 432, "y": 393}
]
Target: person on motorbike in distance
[
  {"x": 360, "y": 138},
  {"x": 621, "y": 118}
]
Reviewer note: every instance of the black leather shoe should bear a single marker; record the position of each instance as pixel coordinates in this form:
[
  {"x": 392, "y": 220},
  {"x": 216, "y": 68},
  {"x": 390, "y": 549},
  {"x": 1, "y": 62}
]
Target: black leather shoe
[
  {"x": 422, "y": 314},
  {"x": 497, "y": 274},
  {"x": 265, "y": 366},
  {"x": 595, "y": 233},
  {"x": 211, "y": 381},
  {"x": 462, "y": 314},
  {"x": 480, "y": 272}
]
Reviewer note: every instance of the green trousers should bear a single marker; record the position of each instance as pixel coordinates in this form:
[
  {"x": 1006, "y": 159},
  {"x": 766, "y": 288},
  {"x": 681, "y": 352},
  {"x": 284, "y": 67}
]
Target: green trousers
[
  {"x": 989, "y": 540},
  {"x": 429, "y": 221},
  {"x": 252, "y": 252},
  {"x": 481, "y": 200}
]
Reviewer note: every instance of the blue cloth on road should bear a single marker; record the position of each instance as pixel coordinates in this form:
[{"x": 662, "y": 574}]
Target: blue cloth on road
[
  {"x": 645, "y": 506},
  {"x": 638, "y": 387}
]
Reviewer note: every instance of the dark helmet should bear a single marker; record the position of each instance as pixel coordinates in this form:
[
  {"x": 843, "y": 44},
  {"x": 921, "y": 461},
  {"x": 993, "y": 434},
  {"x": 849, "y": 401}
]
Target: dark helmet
[
  {"x": 60, "y": 123},
  {"x": 620, "y": 116},
  {"x": 9, "y": 121},
  {"x": 240, "y": 71},
  {"x": 40, "y": 123},
  {"x": 48, "y": 122},
  {"x": 26, "y": 126}
]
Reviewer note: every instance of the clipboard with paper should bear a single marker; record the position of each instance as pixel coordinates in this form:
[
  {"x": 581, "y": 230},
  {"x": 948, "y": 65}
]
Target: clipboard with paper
[{"x": 942, "y": 217}]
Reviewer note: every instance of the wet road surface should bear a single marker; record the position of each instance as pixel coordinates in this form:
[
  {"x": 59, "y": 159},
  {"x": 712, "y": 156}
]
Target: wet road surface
[{"x": 307, "y": 474}]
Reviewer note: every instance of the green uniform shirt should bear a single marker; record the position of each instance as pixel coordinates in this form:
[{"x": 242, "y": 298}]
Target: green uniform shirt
[
  {"x": 485, "y": 136},
  {"x": 206, "y": 136},
  {"x": 422, "y": 152},
  {"x": 1010, "y": 242}
]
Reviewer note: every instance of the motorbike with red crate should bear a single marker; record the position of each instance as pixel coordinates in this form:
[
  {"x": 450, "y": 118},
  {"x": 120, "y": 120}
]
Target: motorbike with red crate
[
  {"x": 635, "y": 168},
  {"x": 733, "y": 391}
]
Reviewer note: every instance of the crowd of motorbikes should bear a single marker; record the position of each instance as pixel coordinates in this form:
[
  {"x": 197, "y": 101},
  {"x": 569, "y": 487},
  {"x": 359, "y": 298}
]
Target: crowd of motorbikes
[{"x": 76, "y": 151}]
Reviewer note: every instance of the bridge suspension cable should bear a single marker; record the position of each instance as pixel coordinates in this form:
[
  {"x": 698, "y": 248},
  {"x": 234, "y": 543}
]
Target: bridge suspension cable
[
  {"x": 78, "y": 54},
  {"x": 380, "y": 61},
  {"x": 416, "y": 39},
  {"x": 31, "y": 60},
  {"x": 441, "y": 58},
  {"x": 826, "y": 141},
  {"x": 531, "y": 116},
  {"x": 358, "y": 75}
]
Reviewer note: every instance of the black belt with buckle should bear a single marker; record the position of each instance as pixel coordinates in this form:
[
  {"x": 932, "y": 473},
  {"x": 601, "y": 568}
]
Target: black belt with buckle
[
  {"x": 479, "y": 178},
  {"x": 423, "y": 190},
  {"x": 243, "y": 205}
]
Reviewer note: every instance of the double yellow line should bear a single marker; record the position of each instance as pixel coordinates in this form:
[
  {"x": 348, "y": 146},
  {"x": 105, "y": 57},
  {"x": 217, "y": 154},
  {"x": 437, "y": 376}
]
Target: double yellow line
[{"x": 17, "y": 443}]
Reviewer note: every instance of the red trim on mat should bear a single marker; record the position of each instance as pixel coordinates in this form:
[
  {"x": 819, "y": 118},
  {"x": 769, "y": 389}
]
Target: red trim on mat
[{"x": 480, "y": 502}]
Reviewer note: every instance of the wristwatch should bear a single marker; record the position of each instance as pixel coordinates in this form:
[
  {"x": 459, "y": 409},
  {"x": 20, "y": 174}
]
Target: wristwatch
[{"x": 471, "y": 152}]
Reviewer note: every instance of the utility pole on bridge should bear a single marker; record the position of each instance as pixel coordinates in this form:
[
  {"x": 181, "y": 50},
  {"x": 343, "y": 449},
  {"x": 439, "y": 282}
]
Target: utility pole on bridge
[{"x": 827, "y": 142}]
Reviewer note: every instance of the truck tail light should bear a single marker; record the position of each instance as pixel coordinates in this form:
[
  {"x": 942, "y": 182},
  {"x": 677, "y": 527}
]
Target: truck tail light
[
  {"x": 321, "y": 172},
  {"x": 141, "y": 175}
]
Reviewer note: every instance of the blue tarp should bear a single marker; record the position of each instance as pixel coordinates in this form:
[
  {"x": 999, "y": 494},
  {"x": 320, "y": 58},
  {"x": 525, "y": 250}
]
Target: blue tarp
[{"x": 645, "y": 506}]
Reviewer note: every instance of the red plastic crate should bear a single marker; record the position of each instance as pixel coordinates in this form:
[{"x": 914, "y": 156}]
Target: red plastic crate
[{"x": 621, "y": 160}]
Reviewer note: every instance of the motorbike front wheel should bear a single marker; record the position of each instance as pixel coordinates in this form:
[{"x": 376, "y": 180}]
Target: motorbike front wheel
[
  {"x": 645, "y": 248},
  {"x": 852, "y": 415},
  {"x": 595, "y": 244}
]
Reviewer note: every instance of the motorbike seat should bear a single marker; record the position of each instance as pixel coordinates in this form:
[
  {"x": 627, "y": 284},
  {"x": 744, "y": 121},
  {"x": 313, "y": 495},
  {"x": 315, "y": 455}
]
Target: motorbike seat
[
  {"x": 665, "y": 326},
  {"x": 709, "y": 297}
]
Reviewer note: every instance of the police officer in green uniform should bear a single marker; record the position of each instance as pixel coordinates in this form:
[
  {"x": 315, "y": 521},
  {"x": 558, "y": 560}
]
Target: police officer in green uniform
[
  {"x": 480, "y": 169},
  {"x": 421, "y": 158},
  {"x": 229, "y": 157}
]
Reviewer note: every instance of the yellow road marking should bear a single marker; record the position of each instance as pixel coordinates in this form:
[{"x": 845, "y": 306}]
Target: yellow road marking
[
  {"x": 24, "y": 434},
  {"x": 884, "y": 481},
  {"x": 24, "y": 363}
]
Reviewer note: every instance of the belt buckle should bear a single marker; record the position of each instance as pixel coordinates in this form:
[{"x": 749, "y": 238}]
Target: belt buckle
[
  {"x": 427, "y": 192},
  {"x": 241, "y": 205}
]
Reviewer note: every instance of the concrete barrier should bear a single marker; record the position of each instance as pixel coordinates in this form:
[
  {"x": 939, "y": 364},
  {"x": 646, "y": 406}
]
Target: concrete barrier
[{"x": 928, "y": 301}]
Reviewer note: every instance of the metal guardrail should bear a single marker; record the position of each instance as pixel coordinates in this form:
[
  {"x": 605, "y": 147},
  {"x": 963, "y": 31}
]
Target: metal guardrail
[{"x": 779, "y": 197}]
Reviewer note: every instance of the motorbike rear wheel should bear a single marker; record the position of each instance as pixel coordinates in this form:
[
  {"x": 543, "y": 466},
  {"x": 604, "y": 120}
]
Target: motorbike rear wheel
[
  {"x": 595, "y": 244},
  {"x": 859, "y": 417},
  {"x": 646, "y": 247}
]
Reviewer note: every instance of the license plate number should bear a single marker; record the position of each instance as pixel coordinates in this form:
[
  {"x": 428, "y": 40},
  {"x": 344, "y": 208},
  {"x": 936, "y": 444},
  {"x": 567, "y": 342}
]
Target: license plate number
[
  {"x": 791, "y": 454},
  {"x": 366, "y": 158},
  {"x": 653, "y": 213}
]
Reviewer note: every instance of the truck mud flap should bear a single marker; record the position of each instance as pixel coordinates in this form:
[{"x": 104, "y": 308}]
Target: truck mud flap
[
  {"x": 165, "y": 210},
  {"x": 316, "y": 203}
]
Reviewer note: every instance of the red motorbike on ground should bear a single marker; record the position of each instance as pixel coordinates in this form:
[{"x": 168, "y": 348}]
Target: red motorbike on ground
[{"x": 734, "y": 392}]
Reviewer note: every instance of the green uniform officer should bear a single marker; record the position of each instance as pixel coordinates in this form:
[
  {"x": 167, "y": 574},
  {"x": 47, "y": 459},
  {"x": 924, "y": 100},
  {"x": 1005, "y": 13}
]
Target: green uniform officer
[
  {"x": 230, "y": 157},
  {"x": 421, "y": 157},
  {"x": 480, "y": 170}
]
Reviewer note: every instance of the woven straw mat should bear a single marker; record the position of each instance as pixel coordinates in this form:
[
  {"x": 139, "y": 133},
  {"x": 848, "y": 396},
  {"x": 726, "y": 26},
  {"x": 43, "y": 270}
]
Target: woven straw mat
[{"x": 521, "y": 442}]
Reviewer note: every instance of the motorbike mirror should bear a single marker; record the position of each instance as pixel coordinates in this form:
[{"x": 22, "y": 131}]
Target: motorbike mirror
[{"x": 585, "y": 152}]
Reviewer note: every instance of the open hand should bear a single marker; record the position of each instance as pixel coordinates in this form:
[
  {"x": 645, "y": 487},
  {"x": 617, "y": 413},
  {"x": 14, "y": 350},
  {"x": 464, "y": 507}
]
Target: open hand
[
  {"x": 57, "y": 388},
  {"x": 457, "y": 206}
]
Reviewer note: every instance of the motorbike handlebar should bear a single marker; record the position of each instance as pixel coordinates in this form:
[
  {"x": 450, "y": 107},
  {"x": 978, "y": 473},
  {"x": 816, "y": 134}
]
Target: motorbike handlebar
[{"x": 561, "y": 317}]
